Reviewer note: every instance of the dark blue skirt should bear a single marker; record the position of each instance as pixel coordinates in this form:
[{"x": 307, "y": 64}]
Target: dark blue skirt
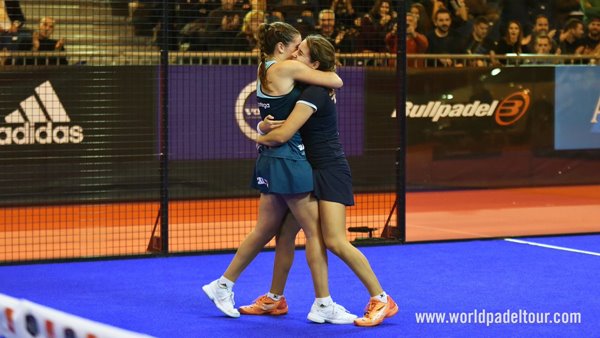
[
  {"x": 333, "y": 182},
  {"x": 282, "y": 176}
]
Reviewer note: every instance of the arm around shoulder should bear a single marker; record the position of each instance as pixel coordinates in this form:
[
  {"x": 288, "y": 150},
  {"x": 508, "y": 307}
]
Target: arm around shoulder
[{"x": 303, "y": 73}]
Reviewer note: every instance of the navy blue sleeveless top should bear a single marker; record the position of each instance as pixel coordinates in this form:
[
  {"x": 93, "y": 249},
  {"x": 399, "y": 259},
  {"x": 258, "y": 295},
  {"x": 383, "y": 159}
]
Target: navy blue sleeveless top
[{"x": 280, "y": 107}]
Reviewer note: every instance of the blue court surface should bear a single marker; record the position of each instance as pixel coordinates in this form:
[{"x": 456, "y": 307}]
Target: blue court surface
[{"x": 490, "y": 288}]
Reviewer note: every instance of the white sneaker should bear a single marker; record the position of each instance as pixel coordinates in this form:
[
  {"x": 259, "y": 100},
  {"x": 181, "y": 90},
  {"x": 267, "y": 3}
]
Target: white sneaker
[
  {"x": 222, "y": 297},
  {"x": 334, "y": 314}
]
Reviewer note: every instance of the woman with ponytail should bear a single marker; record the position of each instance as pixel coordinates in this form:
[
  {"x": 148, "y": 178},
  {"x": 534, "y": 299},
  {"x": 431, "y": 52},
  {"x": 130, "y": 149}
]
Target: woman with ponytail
[
  {"x": 283, "y": 176},
  {"x": 315, "y": 117}
]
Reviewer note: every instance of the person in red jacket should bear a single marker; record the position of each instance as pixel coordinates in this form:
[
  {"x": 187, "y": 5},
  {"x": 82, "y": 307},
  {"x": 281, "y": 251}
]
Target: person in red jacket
[{"x": 416, "y": 43}]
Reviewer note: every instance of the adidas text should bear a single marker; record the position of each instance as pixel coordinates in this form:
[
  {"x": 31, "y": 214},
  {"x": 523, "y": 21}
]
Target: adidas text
[
  {"x": 45, "y": 134},
  {"x": 40, "y": 119}
]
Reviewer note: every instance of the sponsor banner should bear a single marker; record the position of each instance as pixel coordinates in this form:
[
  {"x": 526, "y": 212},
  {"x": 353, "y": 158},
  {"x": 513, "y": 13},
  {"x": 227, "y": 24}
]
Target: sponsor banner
[
  {"x": 577, "y": 119},
  {"x": 65, "y": 133},
  {"x": 21, "y": 318},
  {"x": 213, "y": 112}
]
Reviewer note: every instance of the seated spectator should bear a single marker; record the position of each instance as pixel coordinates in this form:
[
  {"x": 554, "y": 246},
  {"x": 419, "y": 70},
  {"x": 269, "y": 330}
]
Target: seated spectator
[
  {"x": 591, "y": 42},
  {"x": 247, "y": 39},
  {"x": 14, "y": 39},
  {"x": 328, "y": 28},
  {"x": 509, "y": 43},
  {"x": 374, "y": 27},
  {"x": 416, "y": 43},
  {"x": 517, "y": 11},
  {"x": 541, "y": 26},
  {"x": 459, "y": 13},
  {"x": 443, "y": 40},
  {"x": 42, "y": 42},
  {"x": 542, "y": 46},
  {"x": 478, "y": 42},
  {"x": 571, "y": 38},
  {"x": 424, "y": 25}
]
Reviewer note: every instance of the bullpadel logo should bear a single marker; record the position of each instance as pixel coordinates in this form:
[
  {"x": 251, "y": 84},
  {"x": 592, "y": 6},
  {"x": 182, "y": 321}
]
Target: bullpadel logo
[
  {"x": 40, "y": 119},
  {"x": 506, "y": 112}
]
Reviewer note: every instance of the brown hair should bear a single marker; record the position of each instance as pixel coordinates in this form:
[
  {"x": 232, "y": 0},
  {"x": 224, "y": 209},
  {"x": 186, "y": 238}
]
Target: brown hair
[
  {"x": 269, "y": 35},
  {"x": 323, "y": 51}
]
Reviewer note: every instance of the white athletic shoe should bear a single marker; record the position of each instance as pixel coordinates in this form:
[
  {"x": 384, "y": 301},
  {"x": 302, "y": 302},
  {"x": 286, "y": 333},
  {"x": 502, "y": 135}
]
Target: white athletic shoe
[
  {"x": 334, "y": 314},
  {"x": 222, "y": 297}
]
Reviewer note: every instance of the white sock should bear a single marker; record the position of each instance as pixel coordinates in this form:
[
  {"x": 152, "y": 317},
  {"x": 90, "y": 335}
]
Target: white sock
[
  {"x": 273, "y": 296},
  {"x": 382, "y": 297},
  {"x": 224, "y": 281},
  {"x": 324, "y": 302}
]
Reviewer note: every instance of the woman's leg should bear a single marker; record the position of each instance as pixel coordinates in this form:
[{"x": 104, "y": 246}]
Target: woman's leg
[
  {"x": 306, "y": 210},
  {"x": 333, "y": 226},
  {"x": 271, "y": 211},
  {"x": 274, "y": 303},
  {"x": 324, "y": 309},
  {"x": 285, "y": 246}
]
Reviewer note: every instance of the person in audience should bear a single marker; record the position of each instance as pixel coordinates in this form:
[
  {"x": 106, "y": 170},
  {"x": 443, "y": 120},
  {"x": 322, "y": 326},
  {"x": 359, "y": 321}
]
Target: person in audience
[
  {"x": 571, "y": 38},
  {"x": 374, "y": 27},
  {"x": 591, "y": 42},
  {"x": 478, "y": 42},
  {"x": 42, "y": 41},
  {"x": 541, "y": 27},
  {"x": 510, "y": 43},
  {"x": 442, "y": 40},
  {"x": 416, "y": 43},
  {"x": 424, "y": 24},
  {"x": 542, "y": 46},
  {"x": 247, "y": 38},
  {"x": 328, "y": 29}
]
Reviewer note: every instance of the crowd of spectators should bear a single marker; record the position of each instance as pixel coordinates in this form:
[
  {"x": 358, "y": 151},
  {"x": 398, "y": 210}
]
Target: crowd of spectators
[
  {"x": 458, "y": 27},
  {"x": 476, "y": 27}
]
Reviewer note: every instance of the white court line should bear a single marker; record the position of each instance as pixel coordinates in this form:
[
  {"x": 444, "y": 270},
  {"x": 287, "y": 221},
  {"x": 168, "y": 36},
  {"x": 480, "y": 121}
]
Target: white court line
[{"x": 562, "y": 248}]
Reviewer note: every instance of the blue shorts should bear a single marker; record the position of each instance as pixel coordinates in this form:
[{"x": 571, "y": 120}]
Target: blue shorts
[
  {"x": 333, "y": 182},
  {"x": 282, "y": 176}
]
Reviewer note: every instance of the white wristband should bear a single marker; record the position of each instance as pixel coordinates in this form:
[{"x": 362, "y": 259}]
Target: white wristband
[{"x": 260, "y": 132}]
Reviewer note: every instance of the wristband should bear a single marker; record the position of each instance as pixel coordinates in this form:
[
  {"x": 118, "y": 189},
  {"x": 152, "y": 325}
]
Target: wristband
[{"x": 260, "y": 132}]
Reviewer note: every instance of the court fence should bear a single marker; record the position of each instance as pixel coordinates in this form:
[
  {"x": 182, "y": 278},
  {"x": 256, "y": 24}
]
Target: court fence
[{"x": 115, "y": 147}]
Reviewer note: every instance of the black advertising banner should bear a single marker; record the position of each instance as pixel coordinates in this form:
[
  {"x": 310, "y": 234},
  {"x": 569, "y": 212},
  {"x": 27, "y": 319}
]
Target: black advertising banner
[
  {"x": 476, "y": 128},
  {"x": 77, "y": 133}
]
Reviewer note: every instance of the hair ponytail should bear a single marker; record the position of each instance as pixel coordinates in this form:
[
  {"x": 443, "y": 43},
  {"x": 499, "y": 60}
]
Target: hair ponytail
[{"x": 269, "y": 35}]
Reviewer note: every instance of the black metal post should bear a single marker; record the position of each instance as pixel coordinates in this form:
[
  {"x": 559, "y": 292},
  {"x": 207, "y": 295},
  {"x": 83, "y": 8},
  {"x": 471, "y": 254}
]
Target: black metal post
[
  {"x": 401, "y": 76},
  {"x": 164, "y": 129}
]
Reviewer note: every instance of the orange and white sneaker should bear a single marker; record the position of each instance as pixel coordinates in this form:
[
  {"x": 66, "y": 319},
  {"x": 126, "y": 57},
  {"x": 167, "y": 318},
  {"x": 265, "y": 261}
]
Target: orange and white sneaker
[
  {"x": 377, "y": 311},
  {"x": 264, "y": 305}
]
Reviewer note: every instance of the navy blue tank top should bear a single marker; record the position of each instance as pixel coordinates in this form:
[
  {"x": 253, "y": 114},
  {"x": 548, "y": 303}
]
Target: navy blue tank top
[{"x": 280, "y": 107}]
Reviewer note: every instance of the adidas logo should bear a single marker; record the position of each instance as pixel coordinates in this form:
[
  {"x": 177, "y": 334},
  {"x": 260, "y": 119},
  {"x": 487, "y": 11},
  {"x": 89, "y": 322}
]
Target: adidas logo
[{"x": 42, "y": 119}]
